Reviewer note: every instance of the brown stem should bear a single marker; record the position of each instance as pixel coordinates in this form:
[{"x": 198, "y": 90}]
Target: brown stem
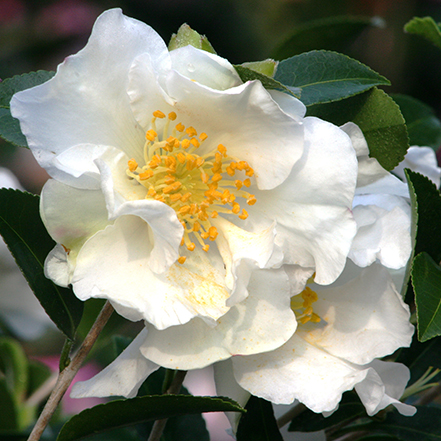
[
  {"x": 291, "y": 414},
  {"x": 67, "y": 375},
  {"x": 175, "y": 387}
]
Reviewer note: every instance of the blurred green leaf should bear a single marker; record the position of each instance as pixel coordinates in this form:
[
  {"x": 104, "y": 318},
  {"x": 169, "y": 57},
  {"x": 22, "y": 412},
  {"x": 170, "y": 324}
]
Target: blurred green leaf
[
  {"x": 14, "y": 365},
  {"x": 29, "y": 243},
  {"x": 426, "y": 280},
  {"x": 380, "y": 119},
  {"x": 9, "y": 126},
  {"x": 8, "y": 408},
  {"x": 350, "y": 407},
  {"x": 259, "y": 423},
  {"x": 121, "y": 413},
  {"x": 379, "y": 438},
  {"x": 422, "y": 123},
  {"x": 38, "y": 374},
  {"x": 425, "y": 27},
  {"x": 247, "y": 74},
  {"x": 424, "y": 425},
  {"x": 333, "y": 33},
  {"x": 325, "y": 76}
]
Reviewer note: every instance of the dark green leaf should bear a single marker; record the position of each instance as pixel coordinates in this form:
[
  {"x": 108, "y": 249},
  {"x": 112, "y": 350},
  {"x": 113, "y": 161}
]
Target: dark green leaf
[
  {"x": 333, "y": 33},
  {"x": 14, "y": 365},
  {"x": 422, "y": 123},
  {"x": 186, "y": 428},
  {"x": 8, "y": 407},
  {"x": 425, "y": 27},
  {"x": 424, "y": 425},
  {"x": 247, "y": 74},
  {"x": 259, "y": 423},
  {"x": 380, "y": 119},
  {"x": 350, "y": 407},
  {"x": 121, "y": 413},
  {"x": 29, "y": 243},
  {"x": 325, "y": 76},
  {"x": 426, "y": 280},
  {"x": 9, "y": 126}
]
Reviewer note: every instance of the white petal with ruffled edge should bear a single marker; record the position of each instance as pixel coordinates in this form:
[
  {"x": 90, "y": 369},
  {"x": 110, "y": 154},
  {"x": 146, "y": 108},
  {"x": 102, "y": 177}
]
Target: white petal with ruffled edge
[
  {"x": 123, "y": 377},
  {"x": 315, "y": 226},
  {"x": 260, "y": 323},
  {"x": 86, "y": 102}
]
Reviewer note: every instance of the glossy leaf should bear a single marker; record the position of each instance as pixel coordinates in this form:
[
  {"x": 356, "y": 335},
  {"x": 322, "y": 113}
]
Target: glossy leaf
[
  {"x": 9, "y": 126},
  {"x": 247, "y": 74},
  {"x": 350, "y": 407},
  {"x": 29, "y": 243},
  {"x": 259, "y": 423},
  {"x": 380, "y": 119},
  {"x": 426, "y": 280},
  {"x": 325, "y": 76},
  {"x": 424, "y": 425},
  {"x": 333, "y": 33},
  {"x": 425, "y": 27},
  {"x": 121, "y": 413},
  {"x": 422, "y": 123}
]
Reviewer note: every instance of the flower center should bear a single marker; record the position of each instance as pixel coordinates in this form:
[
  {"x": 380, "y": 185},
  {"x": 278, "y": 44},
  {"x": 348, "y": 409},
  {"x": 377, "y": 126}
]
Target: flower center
[
  {"x": 301, "y": 304},
  {"x": 197, "y": 187}
]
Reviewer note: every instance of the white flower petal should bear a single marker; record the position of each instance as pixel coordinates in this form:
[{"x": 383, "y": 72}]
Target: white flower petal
[
  {"x": 204, "y": 68},
  {"x": 315, "y": 226},
  {"x": 114, "y": 264},
  {"x": 262, "y": 322},
  {"x": 123, "y": 377},
  {"x": 87, "y": 102},
  {"x": 289, "y": 104},
  {"x": 384, "y": 385},
  {"x": 422, "y": 160},
  {"x": 363, "y": 319}
]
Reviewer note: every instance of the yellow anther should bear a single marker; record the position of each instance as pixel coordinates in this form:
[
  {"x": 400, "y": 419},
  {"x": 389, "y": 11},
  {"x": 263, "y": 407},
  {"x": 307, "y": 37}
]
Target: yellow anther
[
  {"x": 169, "y": 179},
  {"x": 218, "y": 157},
  {"x": 195, "y": 142},
  {"x": 315, "y": 318},
  {"x": 230, "y": 171},
  {"x": 250, "y": 172},
  {"x": 151, "y": 135},
  {"x": 133, "y": 165},
  {"x": 185, "y": 209},
  {"x": 199, "y": 161},
  {"x": 216, "y": 177},
  {"x": 185, "y": 143},
  {"x": 206, "y": 247},
  {"x": 182, "y": 240},
  {"x": 214, "y": 214},
  {"x": 191, "y": 246},
  {"x": 180, "y": 127},
  {"x": 146, "y": 175},
  {"x": 212, "y": 232},
  {"x": 172, "y": 116},
  {"x": 204, "y": 235},
  {"x": 158, "y": 114},
  {"x": 232, "y": 198},
  {"x": 191, "y": 131},
  {"x": 238, "y": 183},
  {"x": 172, "y": 187},
  {"x": 151, "y": 192},
  {"x": 236, "y": 208},
  {"x": 182, "y": 259},
  {"x": 203, "y": 136},
  {"x": 186, "y": 197},
  {"x": 244, "y": 214},
  {"x": 251, "y": 200},
  {"x": 247, "y": 182},
  {"x": 160, "y": 198},
  {"x": 175, "y": 197},
  {"x": 217, "y": 167},
  {"x": 196, "y": 226},
  {"x": 181, "y": 157},
  {"x": 156, "y": 160},
  {"x": 204, "y": 177},
  {"x": 222, "y": 149}
]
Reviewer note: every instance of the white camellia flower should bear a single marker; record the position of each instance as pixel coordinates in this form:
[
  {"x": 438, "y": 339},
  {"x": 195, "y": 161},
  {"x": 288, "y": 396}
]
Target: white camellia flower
[
  {"x": 343, "y": 330},
  {"x": 174, "y": 185}
]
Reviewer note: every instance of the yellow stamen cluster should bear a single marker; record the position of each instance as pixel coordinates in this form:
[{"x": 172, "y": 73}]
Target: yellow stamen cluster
[
  {"x": 197, "y": 187},
  {"x": 301, "y": 304}
]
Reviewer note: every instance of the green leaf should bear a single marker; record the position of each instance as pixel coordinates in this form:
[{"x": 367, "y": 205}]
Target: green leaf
[
  {"x": 333, "y": 33},
  {"x": 266, "y": 67},
  {"x": 349, "y": 408},
  {"x": 9, "y": 126},
  {"x": 247, "y": 74},
  {"x": 425, "y": 27},
  {"x": 422, "y": 123},
  {"x": 325, "y": 76},
  {"x": 426, "y": 280},
  {"x": 380, "y": 119},
  {"x": 29, "y": 243},
  {"x": 259, "y": 423},
  {"x": 424, "y": 425},
  {"x": 8, "y": 407},
  {"x": 121, "y": 413},
  {"x": 187, "y": 36}
]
